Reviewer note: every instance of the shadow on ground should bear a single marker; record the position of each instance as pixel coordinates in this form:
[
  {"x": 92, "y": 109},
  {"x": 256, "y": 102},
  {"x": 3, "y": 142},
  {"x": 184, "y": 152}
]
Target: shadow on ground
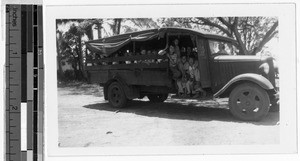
[{"x": 183, "y": 110}]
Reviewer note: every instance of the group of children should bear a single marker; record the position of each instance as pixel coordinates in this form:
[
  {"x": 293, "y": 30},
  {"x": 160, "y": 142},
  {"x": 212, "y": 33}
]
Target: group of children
[
  {"x": 185, "y": 72},
  {"x": 143, "y": 51},
  {"x": 189, "y": 83}
]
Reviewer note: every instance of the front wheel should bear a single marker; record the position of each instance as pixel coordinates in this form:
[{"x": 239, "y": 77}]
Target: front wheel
[
  {"x": 274, "y": 98},
  {"x": 249, "y": 102},
  {"x": 116, "y": 95},
  {"x": 157, "y": 97}
]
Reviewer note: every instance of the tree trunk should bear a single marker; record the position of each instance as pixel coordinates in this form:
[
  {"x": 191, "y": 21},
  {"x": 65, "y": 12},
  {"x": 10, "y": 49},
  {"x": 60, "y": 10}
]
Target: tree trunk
[
  {"x": 99, "y": 27},
  {"x": 114, "y": 27},
  {"x": 238, "y": 36},
  {"x": 119, "y": 26},
  {"x": 80, "y": 60},
  {"x": 60, "y": 72},
  {"x": 91, "y": 32}
]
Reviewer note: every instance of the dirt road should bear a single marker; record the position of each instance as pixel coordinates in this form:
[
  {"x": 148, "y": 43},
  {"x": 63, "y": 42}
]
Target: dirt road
[{"x": 87, "y": 120}]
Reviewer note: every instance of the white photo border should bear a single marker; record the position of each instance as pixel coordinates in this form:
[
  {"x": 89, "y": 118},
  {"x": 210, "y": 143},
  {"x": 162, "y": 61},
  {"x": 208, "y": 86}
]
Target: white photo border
[{"x": 287, "y": 65}]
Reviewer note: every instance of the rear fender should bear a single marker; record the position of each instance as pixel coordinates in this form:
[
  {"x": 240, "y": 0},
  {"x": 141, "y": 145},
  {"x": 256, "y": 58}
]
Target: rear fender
[
  {"x": 247, "y": 77},
  {"x": 131, "y": 92}
]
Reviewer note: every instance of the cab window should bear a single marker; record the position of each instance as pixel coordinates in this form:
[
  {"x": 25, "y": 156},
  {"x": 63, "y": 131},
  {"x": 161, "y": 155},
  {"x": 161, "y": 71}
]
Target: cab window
[{"x": 222, "y": 48}]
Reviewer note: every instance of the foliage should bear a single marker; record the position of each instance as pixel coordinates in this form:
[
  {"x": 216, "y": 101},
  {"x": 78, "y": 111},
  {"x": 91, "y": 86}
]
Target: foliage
[
  {"x": 70, "y": 46},
  {"x": 137, "y": 24},
  {"x": 251, "y": 33}
]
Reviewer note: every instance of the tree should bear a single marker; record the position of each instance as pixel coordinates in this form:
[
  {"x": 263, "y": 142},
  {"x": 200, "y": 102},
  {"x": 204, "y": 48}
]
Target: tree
[
  {"x": 251, "y": 33},
  {"x": 175, "y": 22},
  {"x": 59, "y": 49},
  {"x": 74, "y": 41},
  {"x": 138, "y": 24},
  {"x": 116, "y": 25},
  {"x": 98, "y": 23},
  {"x": 70, "y": 43},
  {"x": 86, "y": 27},
  {"x": 59, "y": 45}
]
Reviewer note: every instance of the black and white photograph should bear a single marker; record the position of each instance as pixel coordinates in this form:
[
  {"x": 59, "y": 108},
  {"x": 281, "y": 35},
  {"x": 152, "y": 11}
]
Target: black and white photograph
[
  {"x": 149, "y": 80},
  {"x": 167, "y": 81},
  {"x": 158, "y": 80}
]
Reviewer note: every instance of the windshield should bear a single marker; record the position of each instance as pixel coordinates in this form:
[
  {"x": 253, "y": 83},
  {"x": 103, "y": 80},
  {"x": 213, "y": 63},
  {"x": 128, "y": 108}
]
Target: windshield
[{"x": 222, "y": 48}]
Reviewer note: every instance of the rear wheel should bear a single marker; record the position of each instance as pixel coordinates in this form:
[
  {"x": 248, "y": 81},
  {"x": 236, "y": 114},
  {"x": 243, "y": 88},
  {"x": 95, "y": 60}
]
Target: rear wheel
[
  {"x": 157, "y": 97},
  {"x": 249, "y": 102},
  {"x": 116, "y": 95}
]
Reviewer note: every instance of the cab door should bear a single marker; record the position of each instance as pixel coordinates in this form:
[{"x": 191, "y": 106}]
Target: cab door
[{"x": 203, "y": 63}]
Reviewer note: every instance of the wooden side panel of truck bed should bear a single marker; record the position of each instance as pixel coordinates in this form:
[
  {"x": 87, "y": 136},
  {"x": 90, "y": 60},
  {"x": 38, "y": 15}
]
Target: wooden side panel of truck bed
[{"x": 132, "y": 74}]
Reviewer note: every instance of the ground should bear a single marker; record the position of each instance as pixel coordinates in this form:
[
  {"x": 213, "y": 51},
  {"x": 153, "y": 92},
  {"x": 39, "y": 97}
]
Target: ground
[{"x": 87, "y": 120}]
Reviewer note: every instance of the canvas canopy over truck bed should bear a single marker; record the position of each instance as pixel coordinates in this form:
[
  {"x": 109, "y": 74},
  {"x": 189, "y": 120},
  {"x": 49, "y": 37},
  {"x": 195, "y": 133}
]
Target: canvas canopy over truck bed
[{"x": 109, "y": 45}]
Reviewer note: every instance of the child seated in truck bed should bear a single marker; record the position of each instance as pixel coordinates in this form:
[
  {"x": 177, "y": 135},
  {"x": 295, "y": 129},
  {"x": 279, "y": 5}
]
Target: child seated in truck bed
[
  {"x": 183, "y": 66},
  {"x": 194, "y": 85},
  {"x": 173, "y": 61}
]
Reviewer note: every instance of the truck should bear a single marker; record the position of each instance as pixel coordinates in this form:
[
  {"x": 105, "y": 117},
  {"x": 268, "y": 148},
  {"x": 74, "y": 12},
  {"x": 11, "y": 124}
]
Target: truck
[{"x": 118, "y": 64}]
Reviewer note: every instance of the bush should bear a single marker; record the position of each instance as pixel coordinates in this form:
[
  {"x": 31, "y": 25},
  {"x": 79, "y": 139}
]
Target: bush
[{"x": 69, "y": 75}]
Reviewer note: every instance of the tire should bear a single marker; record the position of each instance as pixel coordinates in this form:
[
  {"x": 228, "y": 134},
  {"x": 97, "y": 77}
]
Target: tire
[
  {"x": 274, "y": 104},
  {"x": 116, "y": 95},
  {"x": 274, "y": 107},
  {"x": 249, "y": 102},
  {"x": 157, "y": 98}
]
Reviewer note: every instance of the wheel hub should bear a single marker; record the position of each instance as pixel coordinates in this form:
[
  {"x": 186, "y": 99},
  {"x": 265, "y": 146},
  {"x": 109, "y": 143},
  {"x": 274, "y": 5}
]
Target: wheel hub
[{"x": 248, "y": 103}]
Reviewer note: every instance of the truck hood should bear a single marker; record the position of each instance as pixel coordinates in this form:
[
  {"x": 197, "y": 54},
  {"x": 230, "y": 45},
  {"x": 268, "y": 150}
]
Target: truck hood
[{"x": 240, "y": 58}]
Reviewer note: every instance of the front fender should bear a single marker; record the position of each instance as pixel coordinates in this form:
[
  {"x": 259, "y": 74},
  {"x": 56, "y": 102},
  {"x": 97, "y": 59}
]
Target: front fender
[{"x": 255, "y": 78}]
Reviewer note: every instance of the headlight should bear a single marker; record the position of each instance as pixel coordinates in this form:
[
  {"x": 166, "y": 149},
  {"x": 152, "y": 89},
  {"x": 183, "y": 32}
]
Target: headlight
[{"x": 264, "y": 69}]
